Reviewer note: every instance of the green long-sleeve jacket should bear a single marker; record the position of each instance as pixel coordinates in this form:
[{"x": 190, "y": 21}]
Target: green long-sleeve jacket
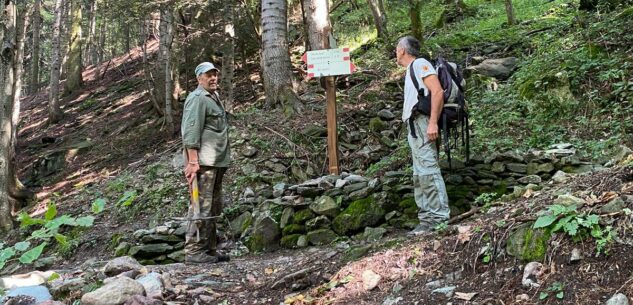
[{"x": 205, "y": 128}]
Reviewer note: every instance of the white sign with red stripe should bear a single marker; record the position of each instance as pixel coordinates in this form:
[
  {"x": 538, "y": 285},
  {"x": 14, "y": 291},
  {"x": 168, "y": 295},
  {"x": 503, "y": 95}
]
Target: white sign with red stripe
[{"x": 328, "y": 62}]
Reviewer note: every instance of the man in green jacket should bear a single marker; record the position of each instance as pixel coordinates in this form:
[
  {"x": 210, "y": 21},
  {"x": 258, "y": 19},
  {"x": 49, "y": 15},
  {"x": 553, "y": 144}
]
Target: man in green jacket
[{"x": 205, "y": 137}]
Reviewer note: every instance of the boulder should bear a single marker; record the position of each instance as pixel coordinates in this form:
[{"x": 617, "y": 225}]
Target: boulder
[
  {"x": 618, "y": 299},
  {"x": 500, "y": 68},
  {"x": 150, "y": 250},
  {"x": 291, "y": 241},
  {"x": 36, "y": 293},
  {"x": 386, "y": 115},
  {"x": 527, "y": 244},
  {"x": 358, "y": 215},
  {"x": 239, "y": 224},
  {"x": 265, "y": 235},
  {"x": 120, "y": 265},
  {"x": 320, "y": 222},
  {"x": 153, "y": 284},
  {"x": 115, "y": 292}
]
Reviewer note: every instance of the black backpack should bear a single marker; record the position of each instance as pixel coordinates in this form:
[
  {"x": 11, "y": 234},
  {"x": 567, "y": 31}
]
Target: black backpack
[{"x": 453, "y": 121}]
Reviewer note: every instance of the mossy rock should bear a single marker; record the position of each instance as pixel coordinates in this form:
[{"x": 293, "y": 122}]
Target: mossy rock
[
  {"x": 290, "y": 241},
  {"x": 293, "y": 229},
  {"x": 528, "y": 244},
  {"x": 377, "y": 125},
  {"x": 321, "y": 237},
  {"x": 265, "y": 235},
  {"x": 241, "y": 223},
  {"x": 358, "y": 215},
  {"x": 356, "y": 252},
  {"x": 302, "y": 216}
]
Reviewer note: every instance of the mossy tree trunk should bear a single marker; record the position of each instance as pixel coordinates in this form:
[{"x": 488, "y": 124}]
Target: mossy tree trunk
[
  {"x": 54, "y": 112},
  {"x": 415, "y": 6},
  {"x": 74, "y": 78},
  {"x": 510, "y": 13},
  {"x": 228, "y": 54}
]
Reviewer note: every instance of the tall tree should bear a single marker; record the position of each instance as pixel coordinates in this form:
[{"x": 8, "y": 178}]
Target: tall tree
[
  {"x": 90, "y": 40},
  {"x": 54, "y": 112},
  {"x": 100, "y": 47},
  {"x": 35, "y": 48},
  {"x": 74, "y": 78},
  {"x": 228, "y": 53},
  {"x": 415, "y": 7},
  {"x": 380, "y": 19},
  {"x": 510, "y": 13},
  {"x": 166, "y": 39},
  {"x": 276, "y": 65},
  {"x": 7, "y": 74}
]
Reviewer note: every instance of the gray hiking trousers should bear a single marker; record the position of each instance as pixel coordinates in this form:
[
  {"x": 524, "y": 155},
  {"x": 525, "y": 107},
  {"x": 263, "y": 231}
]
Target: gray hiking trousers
[{"x": 429, "y": 189}]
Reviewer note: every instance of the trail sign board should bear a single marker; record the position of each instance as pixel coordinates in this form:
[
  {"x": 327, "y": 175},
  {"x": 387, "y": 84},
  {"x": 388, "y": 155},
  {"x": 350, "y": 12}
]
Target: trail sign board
[{"x": 328, "y": 62}]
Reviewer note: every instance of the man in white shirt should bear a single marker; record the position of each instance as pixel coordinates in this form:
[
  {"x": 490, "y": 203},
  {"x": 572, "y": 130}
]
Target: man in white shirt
[{"x": 429, "y": 189}]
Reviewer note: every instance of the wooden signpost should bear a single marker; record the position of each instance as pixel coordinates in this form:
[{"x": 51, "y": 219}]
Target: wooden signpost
[{"x": 328, "y": 63}]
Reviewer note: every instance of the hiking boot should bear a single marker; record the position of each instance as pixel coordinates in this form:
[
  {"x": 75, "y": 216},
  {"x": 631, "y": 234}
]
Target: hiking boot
[
  {"x": 221, "y": 256},
  {"x": 200, "y": 258},
  {"x": 419, "y": 230}
]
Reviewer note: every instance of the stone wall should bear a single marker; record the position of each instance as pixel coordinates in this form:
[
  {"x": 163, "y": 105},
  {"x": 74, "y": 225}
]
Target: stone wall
[{"x": 322, "y": 210}]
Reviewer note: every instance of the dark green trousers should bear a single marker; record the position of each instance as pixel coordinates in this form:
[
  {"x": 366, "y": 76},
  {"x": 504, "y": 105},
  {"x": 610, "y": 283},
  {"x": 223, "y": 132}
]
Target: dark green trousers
[{"x": 210, "y": 188}]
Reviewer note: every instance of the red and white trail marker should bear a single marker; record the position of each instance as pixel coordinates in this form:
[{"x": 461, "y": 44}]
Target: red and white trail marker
[{"x": 328, "y": 62}]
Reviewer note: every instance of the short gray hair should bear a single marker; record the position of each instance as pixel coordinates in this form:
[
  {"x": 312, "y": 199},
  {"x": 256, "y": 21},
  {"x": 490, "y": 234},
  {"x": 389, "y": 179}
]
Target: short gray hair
[{"x": 410, "y": 45}]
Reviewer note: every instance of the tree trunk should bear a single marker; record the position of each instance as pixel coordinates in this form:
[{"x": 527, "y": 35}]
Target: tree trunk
[
  {"x": 228, "y": 54},
  {"x": 7, "y": 74},
  {"x": 276, "y": 65},
  {"x": 166, "y": 30},
  {"x": 415, "y": 6},
  {"x": 90, "y": 40},
  {"x": 149, "y": 79},
  {"x": 34, "y": 85},
  {"x": 74, "y": 78},
  {"x": 54, "y": 112},
  {"x": 65, "y": 38},
  {"x": 380, "y": 19},
  {"x": 510, "y": 13},
  {"x": 126, "y": 36},
  {"x": 99, "y": 51},
  {"x": 318, "y": 23}
]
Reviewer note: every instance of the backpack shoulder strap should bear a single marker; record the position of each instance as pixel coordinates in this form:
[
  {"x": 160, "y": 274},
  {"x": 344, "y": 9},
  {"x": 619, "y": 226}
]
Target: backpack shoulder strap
[{"x": 413, "y": 78}]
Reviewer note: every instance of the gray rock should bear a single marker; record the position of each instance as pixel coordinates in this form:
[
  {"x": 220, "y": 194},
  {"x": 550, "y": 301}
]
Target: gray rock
[
  {"x": 517, "y": 168},
  {"x": 279, "y": 189},
  {"x": 485, "y": 174},
  {"x": 159, "y": 238},
  {"x": 390, "y": 300},
  {"x": 248, "y": 193},
  {"x": 122, "y": 249},
  {"x": 561, "y": 152},
  {"x": 618, "y": 299},
  {"x": 61, "y": 287},
  {"x": 265, "y": 235},
  {"x": 320, "y": 222},
  {"x": 275, "y": 167},
  {"x": 138, "y": 234},
  {"x": 341, "y": 183},
  {"x": 309, "y": 191},
  {"x": 370, "y": 279},
  {"x": 498, "y": 167},
  {"x": 121, "y": 264},
  {"x": 454, "y": 179},
  {"x": 115, "y": 292},
  {"x": 178, "y": 256},
  {"x": 530, "y": 179},
  {"x": 360, "y": 194},
  {"x": 37, "y": 294},
  {"x": 447, "y": 291},
  {"x": 356, "y": 179},
  {"x": 434, "y": 284},
  {"x": 249, "y": 151},
  {"x": 560, "y": 177},
  {"x": 386, "y": 115},
  {"x": 354, "y": 187},
  {"x": 500, "y": 68},
  {"x": 575, "y": 255},
  {"x": 286, "y": 217},
  {"x": 150, "y": 250},
  {"x": 455, "y": 164},
  {"x": 321, "y": 237},
  {"x": 535, "y": 168},
  {"x": 614, "y": 206},
  {"x": 153, "y": 284},
  {"x": 302, "y": 242},
  {"x": 315, "y": 131},
  {"x": 325, "y": 205},
  {"x": 374, "y": 234},
  {"x": 239, "y": 224},
  {"x": 531, "y": 274},
  {"x": 568, "y": 199},
  {"x": 162, "y": 229}
]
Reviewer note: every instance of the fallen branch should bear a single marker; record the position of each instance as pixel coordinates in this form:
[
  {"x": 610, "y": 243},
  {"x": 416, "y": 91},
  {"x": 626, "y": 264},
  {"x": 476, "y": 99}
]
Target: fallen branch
[{"x": 461, "y": 217}]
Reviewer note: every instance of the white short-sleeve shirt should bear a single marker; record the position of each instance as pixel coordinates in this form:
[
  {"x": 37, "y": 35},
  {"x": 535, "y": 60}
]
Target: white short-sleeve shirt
[{"x": 422, "y": 69}]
